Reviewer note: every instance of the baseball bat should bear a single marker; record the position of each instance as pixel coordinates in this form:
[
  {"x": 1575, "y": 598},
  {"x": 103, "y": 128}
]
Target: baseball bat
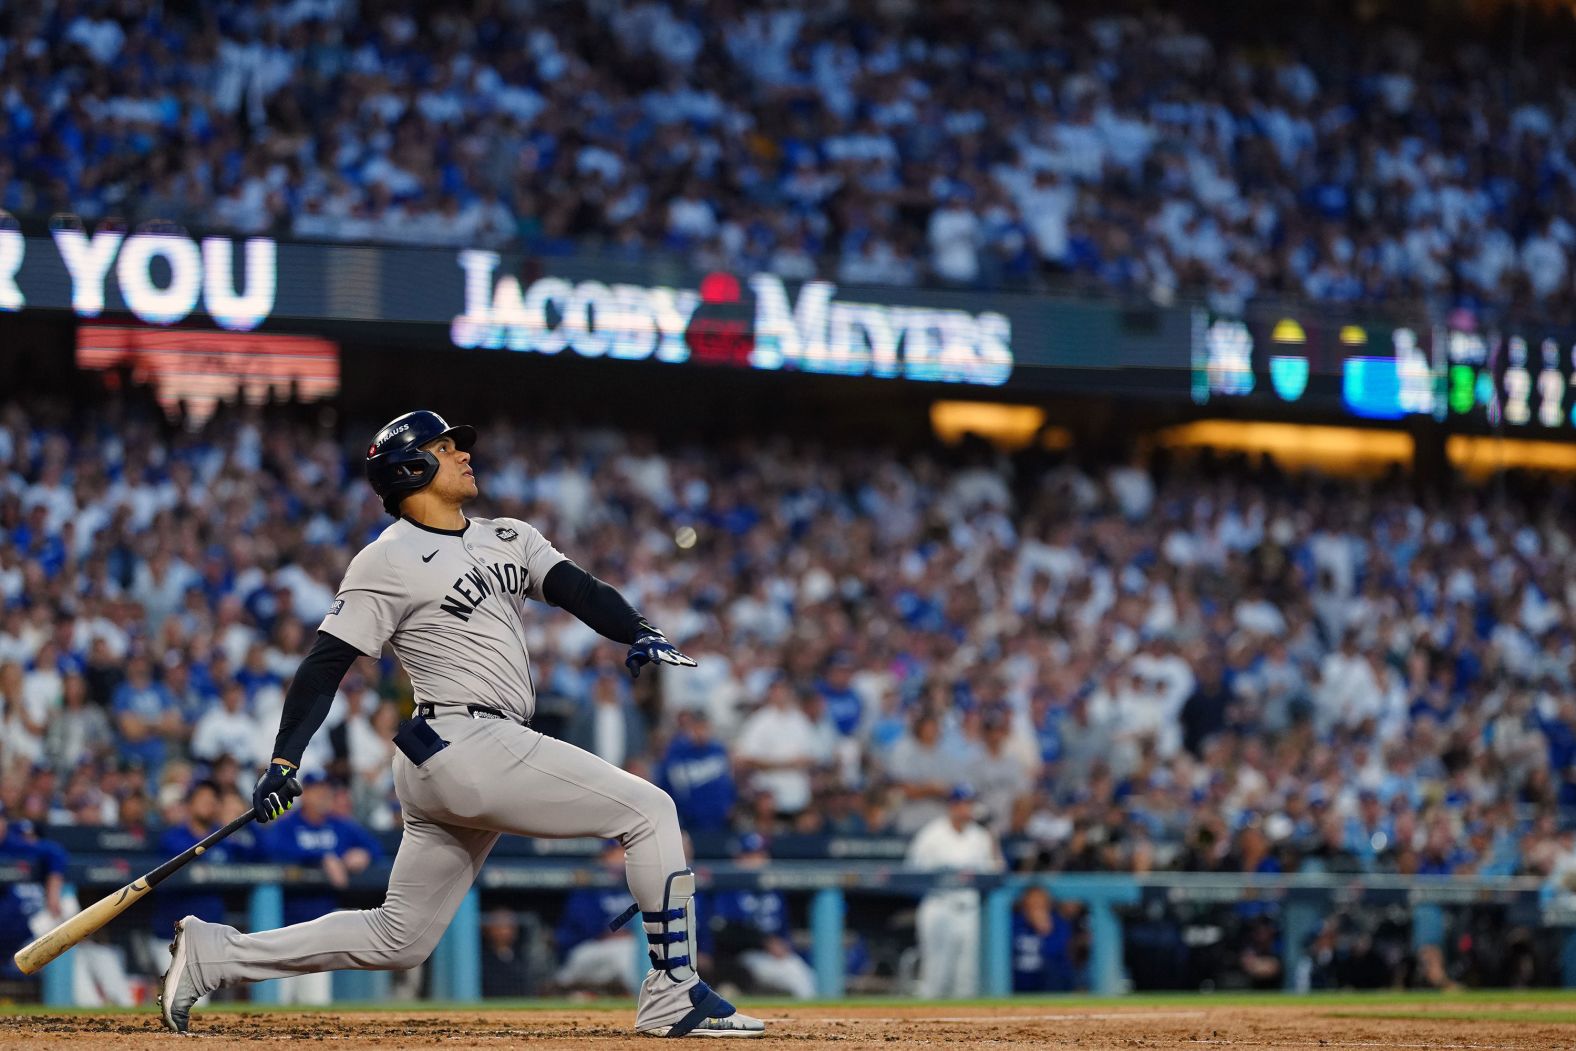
[{"x": 45, "y": 948}]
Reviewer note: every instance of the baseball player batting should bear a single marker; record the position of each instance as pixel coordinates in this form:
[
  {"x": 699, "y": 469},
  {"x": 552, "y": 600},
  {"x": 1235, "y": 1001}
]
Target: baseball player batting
[{"x": 445, "y": 590}]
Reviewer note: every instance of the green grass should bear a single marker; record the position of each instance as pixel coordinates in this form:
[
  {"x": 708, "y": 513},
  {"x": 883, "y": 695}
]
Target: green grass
[
  {"x": 1481, "y": 1015},
  {"x": 1438, "y": 1005}
]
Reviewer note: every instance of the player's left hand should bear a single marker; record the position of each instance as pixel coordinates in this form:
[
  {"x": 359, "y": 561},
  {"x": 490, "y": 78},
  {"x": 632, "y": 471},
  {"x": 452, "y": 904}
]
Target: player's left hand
[
  {"x": 276, "y": 791},
  {"x": 654, "y": 648}
]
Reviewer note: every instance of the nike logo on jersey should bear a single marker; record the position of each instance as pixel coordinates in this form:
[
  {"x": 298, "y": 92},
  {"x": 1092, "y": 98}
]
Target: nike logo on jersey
[
  {"x": 429, "y": 558},
  {"x": 476, "y": 585}
]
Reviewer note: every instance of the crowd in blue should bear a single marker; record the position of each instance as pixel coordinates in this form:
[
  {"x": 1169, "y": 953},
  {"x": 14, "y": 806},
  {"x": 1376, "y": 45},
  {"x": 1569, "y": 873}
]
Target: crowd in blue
[
  {"x": 1197, "y": 149},
  {"x": 1137, "y": 667},
  {"x": 1143, "y": 666}
]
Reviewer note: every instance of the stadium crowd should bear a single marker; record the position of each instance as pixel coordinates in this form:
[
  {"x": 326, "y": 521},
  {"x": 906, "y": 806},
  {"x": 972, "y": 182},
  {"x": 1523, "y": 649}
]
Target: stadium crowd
[
  {"x": 878, "y": 141},
  {"x": 1134, "y": 668}
]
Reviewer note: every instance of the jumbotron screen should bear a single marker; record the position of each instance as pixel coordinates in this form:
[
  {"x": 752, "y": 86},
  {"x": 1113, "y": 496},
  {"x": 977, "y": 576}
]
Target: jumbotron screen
[{"x": 1513, "y": 377}]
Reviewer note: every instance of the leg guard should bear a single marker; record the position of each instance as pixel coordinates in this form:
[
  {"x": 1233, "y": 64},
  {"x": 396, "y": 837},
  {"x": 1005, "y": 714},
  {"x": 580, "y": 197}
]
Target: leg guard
[
  {"x": 671, "y": 932},
  {"x": 673, "y": 999}
]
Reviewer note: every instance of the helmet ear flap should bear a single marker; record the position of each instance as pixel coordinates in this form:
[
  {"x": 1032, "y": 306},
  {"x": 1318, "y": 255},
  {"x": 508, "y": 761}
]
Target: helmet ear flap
[
  {"x": 411, "y": 475},
  {"x": 429, "y": 467},
  {"x": 420, "y": 469}
]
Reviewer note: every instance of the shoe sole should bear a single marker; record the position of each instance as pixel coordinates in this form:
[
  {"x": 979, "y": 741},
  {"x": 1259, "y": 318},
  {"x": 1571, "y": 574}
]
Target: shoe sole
[
  {"x": 664, "y": 1030},
  {"x": 177, "y": 966}
]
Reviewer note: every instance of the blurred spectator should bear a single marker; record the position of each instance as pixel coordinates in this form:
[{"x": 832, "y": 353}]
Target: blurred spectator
[
  {"x": 955, "y": 241},
  {"x": 228, "y": 729},
  {"x": 1001, "y": 775},
  {"x": 697, "y": 773},
  {"x": 134, "y": 810},
  {"x": 145, "y": 716},
  {"x": 1331, "y": 853},
  {"x": 368, "y": 742},
  {"x": 844, "y": 704},
  {"x": 1260, "y": 955},
  {"x": 1561, "y": 883},
  {"x": 358, "y": 738},
  {"x": 24, "y": 734},
  {"x": 38, "y": 891},
  {"x": 1042, "y": 945},
  {"x": 245, "y": 842},
  {"x": 200, "y": 818},
  {"x": 777, "y": 748},
  {"x": 41, "y": 903},
  {"x": 752, "y": 926},
  {"x": 1207, "y": 709},
  {"x": 310, "y": 835},
  {"x": 948, "y": 923},
  {"x": 610, "y": 726},
  {"x": 506, "y": 969},
  {"x": 80, "y": 732},
  {"x": 1318, "y": 966},
  {"x": 594, "y": 957},
  {"x": 924, "y": 772}
]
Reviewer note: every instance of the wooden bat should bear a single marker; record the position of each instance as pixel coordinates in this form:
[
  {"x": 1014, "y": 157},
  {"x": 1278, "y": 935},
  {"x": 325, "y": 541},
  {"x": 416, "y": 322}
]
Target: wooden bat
[{"x": 40, "y": 951}]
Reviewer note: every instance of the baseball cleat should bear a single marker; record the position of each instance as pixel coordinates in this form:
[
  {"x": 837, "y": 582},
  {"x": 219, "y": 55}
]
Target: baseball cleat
[
  {"x": 177, "y": 991},
  {"x": 709, "y": 1015}
]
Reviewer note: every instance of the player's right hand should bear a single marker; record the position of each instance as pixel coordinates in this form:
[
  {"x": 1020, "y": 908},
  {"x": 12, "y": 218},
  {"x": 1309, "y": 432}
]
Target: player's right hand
[{"x": 276, "y": 791}]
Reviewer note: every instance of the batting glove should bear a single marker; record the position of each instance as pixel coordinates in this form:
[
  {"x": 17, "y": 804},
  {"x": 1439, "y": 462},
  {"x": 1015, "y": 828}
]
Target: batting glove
[
  {"x": 276, "y": 791},
  {"x": 654, "y": 648}
]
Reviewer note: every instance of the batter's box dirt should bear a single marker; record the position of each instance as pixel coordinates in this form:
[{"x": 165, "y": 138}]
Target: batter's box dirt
[{"x": 1288, "y": 1024}]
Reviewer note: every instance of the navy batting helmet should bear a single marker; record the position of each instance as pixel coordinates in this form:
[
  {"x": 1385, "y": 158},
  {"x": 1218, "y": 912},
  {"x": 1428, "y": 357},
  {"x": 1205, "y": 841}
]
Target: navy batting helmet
[{"x": 396, "y": 463}]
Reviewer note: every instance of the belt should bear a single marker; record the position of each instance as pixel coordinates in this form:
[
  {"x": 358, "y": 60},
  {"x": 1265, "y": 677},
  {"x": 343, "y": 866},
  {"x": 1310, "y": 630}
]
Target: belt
[{"x": 429, "y": 710}]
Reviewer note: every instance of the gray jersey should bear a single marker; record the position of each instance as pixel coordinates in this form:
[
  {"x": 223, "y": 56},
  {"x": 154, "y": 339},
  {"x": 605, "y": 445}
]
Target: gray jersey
[{"x": 449, "y": 601}]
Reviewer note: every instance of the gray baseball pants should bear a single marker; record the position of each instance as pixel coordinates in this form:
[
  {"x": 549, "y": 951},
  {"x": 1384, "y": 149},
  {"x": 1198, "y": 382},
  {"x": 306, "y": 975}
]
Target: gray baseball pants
[{"x": 494, "y": 777}]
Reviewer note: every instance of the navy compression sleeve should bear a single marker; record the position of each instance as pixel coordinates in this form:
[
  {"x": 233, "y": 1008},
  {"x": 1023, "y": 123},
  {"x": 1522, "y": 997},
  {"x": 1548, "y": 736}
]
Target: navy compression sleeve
[
  {"x": 311, "y": 695},
  {"x": 597, "y": 604}
]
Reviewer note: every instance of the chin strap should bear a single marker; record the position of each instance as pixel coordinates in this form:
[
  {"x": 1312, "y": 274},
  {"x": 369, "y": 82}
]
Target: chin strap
[{"x": 671, "y": 932}]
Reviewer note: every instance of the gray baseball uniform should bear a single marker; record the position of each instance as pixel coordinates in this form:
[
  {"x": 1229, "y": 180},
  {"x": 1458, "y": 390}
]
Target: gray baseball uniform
[{"x": 449, "y": 602}]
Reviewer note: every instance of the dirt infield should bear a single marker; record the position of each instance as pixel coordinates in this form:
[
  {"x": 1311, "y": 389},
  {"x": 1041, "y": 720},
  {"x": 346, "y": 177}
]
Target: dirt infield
[{"x": 1421, "y": 1024}]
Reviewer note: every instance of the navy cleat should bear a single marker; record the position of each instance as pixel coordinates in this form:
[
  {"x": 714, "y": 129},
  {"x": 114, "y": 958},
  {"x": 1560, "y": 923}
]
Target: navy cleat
[{"x": 708, "y": 1015}]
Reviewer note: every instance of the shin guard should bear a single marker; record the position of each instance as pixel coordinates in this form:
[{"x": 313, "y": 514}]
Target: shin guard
[{"x": 671, "y": 932}]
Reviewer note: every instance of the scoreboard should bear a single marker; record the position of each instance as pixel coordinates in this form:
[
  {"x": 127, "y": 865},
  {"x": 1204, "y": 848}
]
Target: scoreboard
[
  {"x": 1516, "y": 379},
  {"x": 1512, "y": 376}
]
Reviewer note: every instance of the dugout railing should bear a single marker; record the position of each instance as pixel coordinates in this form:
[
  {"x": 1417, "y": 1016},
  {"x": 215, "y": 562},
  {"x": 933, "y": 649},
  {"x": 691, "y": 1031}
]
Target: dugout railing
[{"x": 834, "y": 895}]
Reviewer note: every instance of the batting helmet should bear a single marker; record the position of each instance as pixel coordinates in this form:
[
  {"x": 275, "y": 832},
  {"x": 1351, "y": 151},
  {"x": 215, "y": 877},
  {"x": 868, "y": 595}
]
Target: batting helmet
[{"x": 396, "y": 463}]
